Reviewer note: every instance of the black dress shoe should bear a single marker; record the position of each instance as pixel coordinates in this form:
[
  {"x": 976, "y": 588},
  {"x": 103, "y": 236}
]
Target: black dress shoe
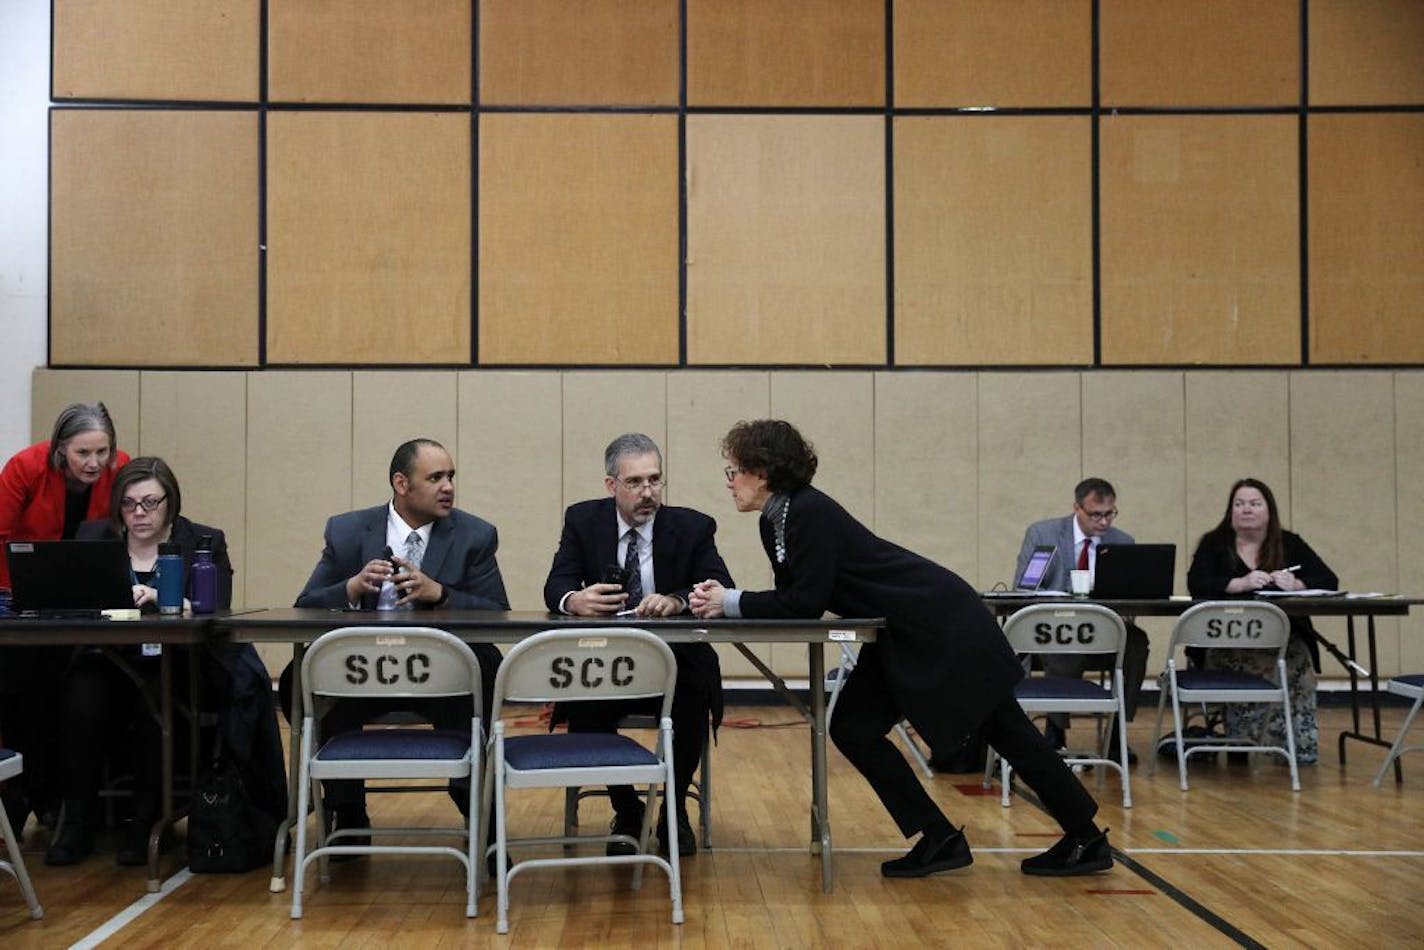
[
  {"x": 1055, "y": 735},
  {"x": 628, "y": 822},
  {"x": 1072, "y": 856},
  {"x": 132, "y": 850},
  {"x": 73, "y": 844},
  {"x": 686, "y": 840},
  {"x": 341, "y": 818},
  {"x": 932, "y": 854}
]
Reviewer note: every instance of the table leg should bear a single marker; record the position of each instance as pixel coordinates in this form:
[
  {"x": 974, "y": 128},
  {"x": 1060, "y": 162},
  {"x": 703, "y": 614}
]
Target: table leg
[
  {"x": 820, "y": 805},
  {"x": 279, "y": 846},
  {"x": 1356, "y": 733},
  {"x": 165, "y": 729}
]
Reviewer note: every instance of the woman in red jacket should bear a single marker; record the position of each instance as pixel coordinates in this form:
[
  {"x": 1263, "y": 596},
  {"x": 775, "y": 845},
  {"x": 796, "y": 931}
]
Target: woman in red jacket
[{"x": 46, "y": 492}]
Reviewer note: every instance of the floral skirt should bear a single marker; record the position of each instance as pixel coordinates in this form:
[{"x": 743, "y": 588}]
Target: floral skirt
[{"x": 1266, "y": 724}]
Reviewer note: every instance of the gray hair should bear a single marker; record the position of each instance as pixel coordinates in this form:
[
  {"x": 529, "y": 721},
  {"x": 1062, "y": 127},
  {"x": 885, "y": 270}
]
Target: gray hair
[
  {"x": 77, "y": 419},
  {"x": 630, "y": 443}
]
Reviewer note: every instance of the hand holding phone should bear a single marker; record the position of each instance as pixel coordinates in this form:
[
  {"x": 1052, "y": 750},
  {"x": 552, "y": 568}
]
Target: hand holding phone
[{"x": 614, "y": 574}]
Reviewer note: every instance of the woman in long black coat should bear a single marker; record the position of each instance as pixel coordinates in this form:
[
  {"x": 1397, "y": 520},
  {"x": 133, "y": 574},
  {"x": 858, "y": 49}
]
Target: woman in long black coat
[{"x": 942, "y": 661}]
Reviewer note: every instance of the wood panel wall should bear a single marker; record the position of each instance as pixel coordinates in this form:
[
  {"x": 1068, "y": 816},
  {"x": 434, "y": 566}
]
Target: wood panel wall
[{"x": 804, "y": 183}]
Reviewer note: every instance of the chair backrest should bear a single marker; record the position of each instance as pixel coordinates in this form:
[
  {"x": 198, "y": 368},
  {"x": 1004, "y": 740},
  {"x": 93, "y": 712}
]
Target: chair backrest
[
  {"x": 1066, "y": 628},
  {"x": 1232, "y": 624},
  {"x": 386, "y": 661},
  {"x": 584, "y": 663}
]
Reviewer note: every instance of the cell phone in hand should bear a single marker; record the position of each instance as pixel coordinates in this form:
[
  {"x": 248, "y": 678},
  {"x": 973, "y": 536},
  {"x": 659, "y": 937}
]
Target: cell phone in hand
[{"x": 614, "y": 574}]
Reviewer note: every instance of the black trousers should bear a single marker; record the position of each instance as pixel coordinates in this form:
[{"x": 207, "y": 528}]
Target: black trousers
[
  {"x": 866, "y": 712},
  {"x": 349, "y": 715},
  {"x": 691, "y": 707},
  {"x": 32, "y": 724}
]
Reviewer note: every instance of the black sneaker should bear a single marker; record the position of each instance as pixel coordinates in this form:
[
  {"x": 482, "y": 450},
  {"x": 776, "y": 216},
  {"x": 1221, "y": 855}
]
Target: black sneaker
[
  {"x": 132, "y": 850},
  {"x": 931, "y": 855},
  {"x": 686, "y": 840},
  {"x": 626, "y": 822},
  {"x": 1072, "y": 856},
  {"x": 341, "y": 818}
]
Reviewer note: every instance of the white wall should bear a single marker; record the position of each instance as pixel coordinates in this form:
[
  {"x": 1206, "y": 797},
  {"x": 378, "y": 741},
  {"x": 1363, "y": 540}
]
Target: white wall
[{"x": 24, "y": 158}]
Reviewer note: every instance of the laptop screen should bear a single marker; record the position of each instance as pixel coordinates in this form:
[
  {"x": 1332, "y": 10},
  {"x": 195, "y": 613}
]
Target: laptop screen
[
  {"x": 69, "y": 575},
  {"x": 1037, "y": 567}
]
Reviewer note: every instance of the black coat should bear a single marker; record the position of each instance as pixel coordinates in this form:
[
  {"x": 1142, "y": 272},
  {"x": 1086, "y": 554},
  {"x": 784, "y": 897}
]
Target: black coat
[
  {"x": 946, "y": 658},
  {"x": 185, "y": 533},
  {"x": 684, "y": 553}
]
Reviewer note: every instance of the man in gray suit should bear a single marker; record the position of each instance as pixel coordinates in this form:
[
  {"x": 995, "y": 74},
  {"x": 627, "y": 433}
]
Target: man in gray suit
[
  {"x": 417, "y": 551},
  {"x": 1076, "y": 539}
]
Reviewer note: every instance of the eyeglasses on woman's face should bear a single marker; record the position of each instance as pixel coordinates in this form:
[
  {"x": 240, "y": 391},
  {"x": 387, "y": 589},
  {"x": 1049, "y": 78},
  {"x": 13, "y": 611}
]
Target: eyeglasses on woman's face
[{"x": 147, "y": 503}]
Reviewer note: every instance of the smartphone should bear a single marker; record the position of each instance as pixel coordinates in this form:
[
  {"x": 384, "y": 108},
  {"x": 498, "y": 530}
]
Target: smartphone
[{"x": 614, "y": 574}]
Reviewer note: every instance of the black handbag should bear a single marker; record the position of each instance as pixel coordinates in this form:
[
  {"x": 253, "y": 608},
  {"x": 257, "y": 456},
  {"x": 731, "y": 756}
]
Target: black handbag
[{"x": 226, "y": 832}]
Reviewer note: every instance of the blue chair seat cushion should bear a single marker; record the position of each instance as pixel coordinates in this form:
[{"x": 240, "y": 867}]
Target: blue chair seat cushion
[
  {"x": 1412, "y": 680},
  {"x": 373, "y": 744},
  {"x": 1222, "y": 679},
  {"x": 574, "y": 751},
  {"x": 1059, "y": 687},
  {"x": 6, "y": 754}
]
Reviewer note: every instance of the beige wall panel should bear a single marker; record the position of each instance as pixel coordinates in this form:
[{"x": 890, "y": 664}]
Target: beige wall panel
[
  {"x": 599, "y": 407},
  {"x": 51, "y": 390},
  {"x": 1200, "y": 240},
  {"x": 153, "y": 236},
  {"x": 389, "y": 408},
  {"x": 1134, "y": 435},
  {"x": 1205, "y": 53},
  {"x": 578, "y": 239},
  {"x": 156, "y": 49},
  {"x": 1030, "y": 457},
  {"x": 993, "y": 53},
  {"x": 927, "y": 466},
  {"x": 701, "y": 407},
  {"x": 367, "y": 262},
  {"x": 792, "y": 53},
  {"x": 1366, "y": 52},
  {"x": 511, "y": 465},
  {"x": 596, "y": 52},
  {"x": 298, "y": 475},
  {"x": 1343, "y": 487},
  {"x": 1409, "y": 465},
  {"x": 993, "y": 238},
  {"x": 414, "y": 51},
  {"x": 1366, "y": 185},
  {"x": 786, "y": 239},
  {"x": 1238, "y": 425},
  {"x": 836, "y": 414},
  {"x": 198, "y": 424}
]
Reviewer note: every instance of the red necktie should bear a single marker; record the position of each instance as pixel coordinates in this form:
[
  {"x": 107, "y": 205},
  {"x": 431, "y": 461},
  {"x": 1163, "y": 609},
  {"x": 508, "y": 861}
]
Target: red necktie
[{"x": 1083, "y": 554}]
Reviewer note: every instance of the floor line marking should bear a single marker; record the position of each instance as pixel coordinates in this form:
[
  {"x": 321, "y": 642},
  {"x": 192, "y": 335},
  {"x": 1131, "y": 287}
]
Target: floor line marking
[{"x": 131, "y": 913}]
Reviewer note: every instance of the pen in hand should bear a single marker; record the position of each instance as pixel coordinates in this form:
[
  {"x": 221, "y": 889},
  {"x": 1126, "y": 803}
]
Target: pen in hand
[{"x": 1293, "y": 568}]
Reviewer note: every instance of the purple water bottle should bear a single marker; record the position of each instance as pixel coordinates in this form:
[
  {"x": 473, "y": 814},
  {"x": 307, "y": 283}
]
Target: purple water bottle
[{"x": 205, "y": 578}]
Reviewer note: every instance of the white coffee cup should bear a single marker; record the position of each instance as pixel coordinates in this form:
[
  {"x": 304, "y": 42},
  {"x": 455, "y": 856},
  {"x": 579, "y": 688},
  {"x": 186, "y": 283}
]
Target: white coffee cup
[{"x": 1082, "y": 582}]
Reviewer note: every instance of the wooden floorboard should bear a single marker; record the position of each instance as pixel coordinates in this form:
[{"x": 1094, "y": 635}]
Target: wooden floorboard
[{"x": 1237, "y": 858}]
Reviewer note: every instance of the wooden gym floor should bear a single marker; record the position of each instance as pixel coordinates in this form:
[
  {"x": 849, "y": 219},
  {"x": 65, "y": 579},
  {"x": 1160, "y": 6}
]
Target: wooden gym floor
[{"x": 1237, "y": 861}]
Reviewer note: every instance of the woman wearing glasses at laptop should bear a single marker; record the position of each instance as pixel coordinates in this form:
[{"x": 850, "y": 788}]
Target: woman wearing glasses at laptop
[
  {"x": 99, "y": 700},
  {"x": 46, "y": 492},
  {"x": 1250, "y": 551},
  {"x": 942, "y": 662}
]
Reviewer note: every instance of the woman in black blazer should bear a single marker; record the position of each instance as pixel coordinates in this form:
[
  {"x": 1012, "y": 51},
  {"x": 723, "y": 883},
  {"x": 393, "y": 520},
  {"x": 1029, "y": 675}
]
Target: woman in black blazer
[
  {"x": 99, "y": 700},
  {"x": 942, "y": 661}
]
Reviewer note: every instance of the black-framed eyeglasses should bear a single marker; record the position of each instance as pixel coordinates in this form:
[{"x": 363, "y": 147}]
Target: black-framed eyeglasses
[
  {"x": 150, "y": 503},
  {"x": 1108, "y": 515},
  {"x": 653, "y": 483},
  {"x": 731, "y": 471}
]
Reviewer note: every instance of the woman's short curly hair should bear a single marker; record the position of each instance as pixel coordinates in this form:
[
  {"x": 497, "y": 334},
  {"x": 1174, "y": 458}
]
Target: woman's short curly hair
[{"x": 772, "y": 448}]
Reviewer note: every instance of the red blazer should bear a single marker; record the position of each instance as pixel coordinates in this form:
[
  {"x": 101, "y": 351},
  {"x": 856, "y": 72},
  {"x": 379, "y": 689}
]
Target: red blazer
[{"x": 32, "y": 498}]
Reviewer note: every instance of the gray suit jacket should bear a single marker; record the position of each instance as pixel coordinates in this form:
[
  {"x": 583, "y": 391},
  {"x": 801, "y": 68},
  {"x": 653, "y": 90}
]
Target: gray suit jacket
[
  {"x": 460, "y": 555},
  {"x": 1059, "y": 533}
]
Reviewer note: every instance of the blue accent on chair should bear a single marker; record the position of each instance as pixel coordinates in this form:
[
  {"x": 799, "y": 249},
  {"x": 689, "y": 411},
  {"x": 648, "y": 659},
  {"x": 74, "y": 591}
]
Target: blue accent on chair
[
  {"x": 374, "y": 744},
  {"x": 1059, "y": 687},
  {"x": 1221, "y": 679},
  {"x": 575, "y": 751},
  {"x": 1411, "y": 679}
]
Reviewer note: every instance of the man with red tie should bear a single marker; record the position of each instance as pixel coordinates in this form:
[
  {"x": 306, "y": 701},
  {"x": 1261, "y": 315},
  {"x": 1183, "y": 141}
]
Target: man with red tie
[{"x": 1076, "y": 538}]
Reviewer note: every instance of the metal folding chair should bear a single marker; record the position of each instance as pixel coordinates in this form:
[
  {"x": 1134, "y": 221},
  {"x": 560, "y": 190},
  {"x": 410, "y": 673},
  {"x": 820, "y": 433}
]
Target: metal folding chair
[
  {"x": 376, "y": 662},
  {"x": 1227, "y": 625},
  {"x": 1091, "y": 629},
  {"x": 835, "y": 679},
  {"x": 11, "y": 765},
  {"x": 1410, "y": 686},
  {"x": 579, "y": 665}
]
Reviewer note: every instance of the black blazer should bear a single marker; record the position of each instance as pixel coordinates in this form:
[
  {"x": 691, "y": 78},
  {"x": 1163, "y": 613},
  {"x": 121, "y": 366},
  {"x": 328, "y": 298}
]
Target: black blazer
[
  {"x": 185, "y": 533},
  {"x": 946, "y": 658},
  {"x": 684, "y": 553}
]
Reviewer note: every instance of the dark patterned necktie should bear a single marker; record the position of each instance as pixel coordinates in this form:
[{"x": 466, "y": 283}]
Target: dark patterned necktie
[
  {"x": 1083, "y": 554},
  {"x": 634, "y": 570}
]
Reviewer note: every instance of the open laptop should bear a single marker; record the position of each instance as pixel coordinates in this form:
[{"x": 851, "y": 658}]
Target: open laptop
[
  {"x": 68, "y": 578},
  {"x": 1033, "y": 575},
  {"x": 1134, "y": 571}
]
